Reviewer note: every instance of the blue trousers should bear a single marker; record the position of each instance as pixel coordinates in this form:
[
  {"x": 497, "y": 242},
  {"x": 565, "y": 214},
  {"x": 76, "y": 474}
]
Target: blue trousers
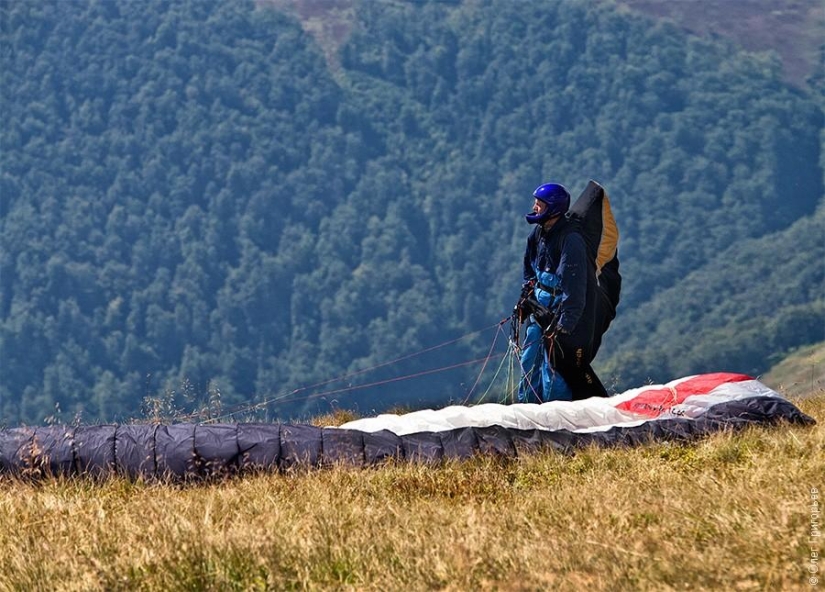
[{"x": 540, "y": 382}]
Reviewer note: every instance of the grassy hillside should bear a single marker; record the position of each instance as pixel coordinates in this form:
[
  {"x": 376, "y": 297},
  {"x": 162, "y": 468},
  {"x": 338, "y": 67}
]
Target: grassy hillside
[
  {"x": 800, "y": 374},
  {"x": 731, "y": 512}
]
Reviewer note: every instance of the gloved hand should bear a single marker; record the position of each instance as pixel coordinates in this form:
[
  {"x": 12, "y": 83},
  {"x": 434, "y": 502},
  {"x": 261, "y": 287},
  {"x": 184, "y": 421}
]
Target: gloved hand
[
  {"x": 526, "y": 290},
  {"x": 524, "y": 307}
]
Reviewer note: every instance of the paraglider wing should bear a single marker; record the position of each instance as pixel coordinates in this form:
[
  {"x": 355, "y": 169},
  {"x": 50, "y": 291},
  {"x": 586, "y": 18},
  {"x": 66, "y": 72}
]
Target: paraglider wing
[{"x": 683, "y": 409}]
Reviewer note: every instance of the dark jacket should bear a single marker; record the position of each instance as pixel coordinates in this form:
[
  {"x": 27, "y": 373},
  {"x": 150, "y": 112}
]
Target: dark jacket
[{"x": 563, "y": 252}]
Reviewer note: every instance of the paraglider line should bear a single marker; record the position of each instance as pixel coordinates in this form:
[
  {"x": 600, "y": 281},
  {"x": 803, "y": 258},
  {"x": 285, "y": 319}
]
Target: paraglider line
[
  {"x": 291, "y": 395},
  {"x": 508, "y": 355},
  {"x": 483, "y": 367},
  {"x": 395, "y": 379}
]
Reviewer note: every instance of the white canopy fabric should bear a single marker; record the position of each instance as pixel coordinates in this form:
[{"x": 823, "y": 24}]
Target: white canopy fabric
[{"x": 688, "y": 397}]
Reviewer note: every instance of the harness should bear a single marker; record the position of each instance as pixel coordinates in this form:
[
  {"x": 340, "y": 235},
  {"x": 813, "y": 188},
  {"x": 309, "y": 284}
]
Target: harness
[{"x": 541, "y": 297}]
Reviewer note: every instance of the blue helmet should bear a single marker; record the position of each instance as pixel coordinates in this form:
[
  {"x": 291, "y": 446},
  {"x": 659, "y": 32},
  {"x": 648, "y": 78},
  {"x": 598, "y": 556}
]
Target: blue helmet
[{"x": 557, "y": 199}]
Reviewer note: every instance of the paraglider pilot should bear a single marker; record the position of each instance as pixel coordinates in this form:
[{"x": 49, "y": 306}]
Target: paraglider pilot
[{"x": 558, "y": 305}]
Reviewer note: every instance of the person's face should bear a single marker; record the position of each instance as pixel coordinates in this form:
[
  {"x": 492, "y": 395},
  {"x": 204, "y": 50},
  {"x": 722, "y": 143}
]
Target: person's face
[{"x": 539, "y": 207}]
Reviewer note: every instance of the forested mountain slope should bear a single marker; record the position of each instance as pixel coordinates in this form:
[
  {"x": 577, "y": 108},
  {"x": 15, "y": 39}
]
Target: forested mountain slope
[
  {"x": 744, "y": 309},
  {"x": 192, "y": 200},
  {"x": 792, "y": 29}
]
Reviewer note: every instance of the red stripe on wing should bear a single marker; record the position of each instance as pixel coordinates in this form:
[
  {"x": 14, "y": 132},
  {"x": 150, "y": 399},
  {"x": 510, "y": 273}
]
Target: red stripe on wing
[{"x": 655, "y": 401}]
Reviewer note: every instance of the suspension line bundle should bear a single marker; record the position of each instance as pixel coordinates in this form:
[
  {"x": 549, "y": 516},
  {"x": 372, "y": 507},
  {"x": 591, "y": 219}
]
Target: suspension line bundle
[{"x": 309, "y": 392}]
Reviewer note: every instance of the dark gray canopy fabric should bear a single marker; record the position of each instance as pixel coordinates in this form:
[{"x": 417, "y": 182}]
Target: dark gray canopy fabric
[{"x": 199, "y": 451}]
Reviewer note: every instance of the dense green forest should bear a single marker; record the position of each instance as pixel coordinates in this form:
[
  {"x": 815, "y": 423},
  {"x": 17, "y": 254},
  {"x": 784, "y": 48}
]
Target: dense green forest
[{"x": 196, "y": 205}]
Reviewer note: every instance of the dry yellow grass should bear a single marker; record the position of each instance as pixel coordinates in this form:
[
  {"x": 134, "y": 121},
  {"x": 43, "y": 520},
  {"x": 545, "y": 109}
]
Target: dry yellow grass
[
  {"x": 800, "y": 373},
  {"x": 731, "y": 512}
]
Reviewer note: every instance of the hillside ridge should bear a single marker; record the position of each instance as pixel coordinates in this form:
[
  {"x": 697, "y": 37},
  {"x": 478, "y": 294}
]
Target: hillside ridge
[{"x": 794, "y": 29}]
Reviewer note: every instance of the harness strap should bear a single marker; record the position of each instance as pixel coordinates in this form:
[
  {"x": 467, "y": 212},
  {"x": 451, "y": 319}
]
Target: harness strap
[{"x": 544, "y": 288}]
